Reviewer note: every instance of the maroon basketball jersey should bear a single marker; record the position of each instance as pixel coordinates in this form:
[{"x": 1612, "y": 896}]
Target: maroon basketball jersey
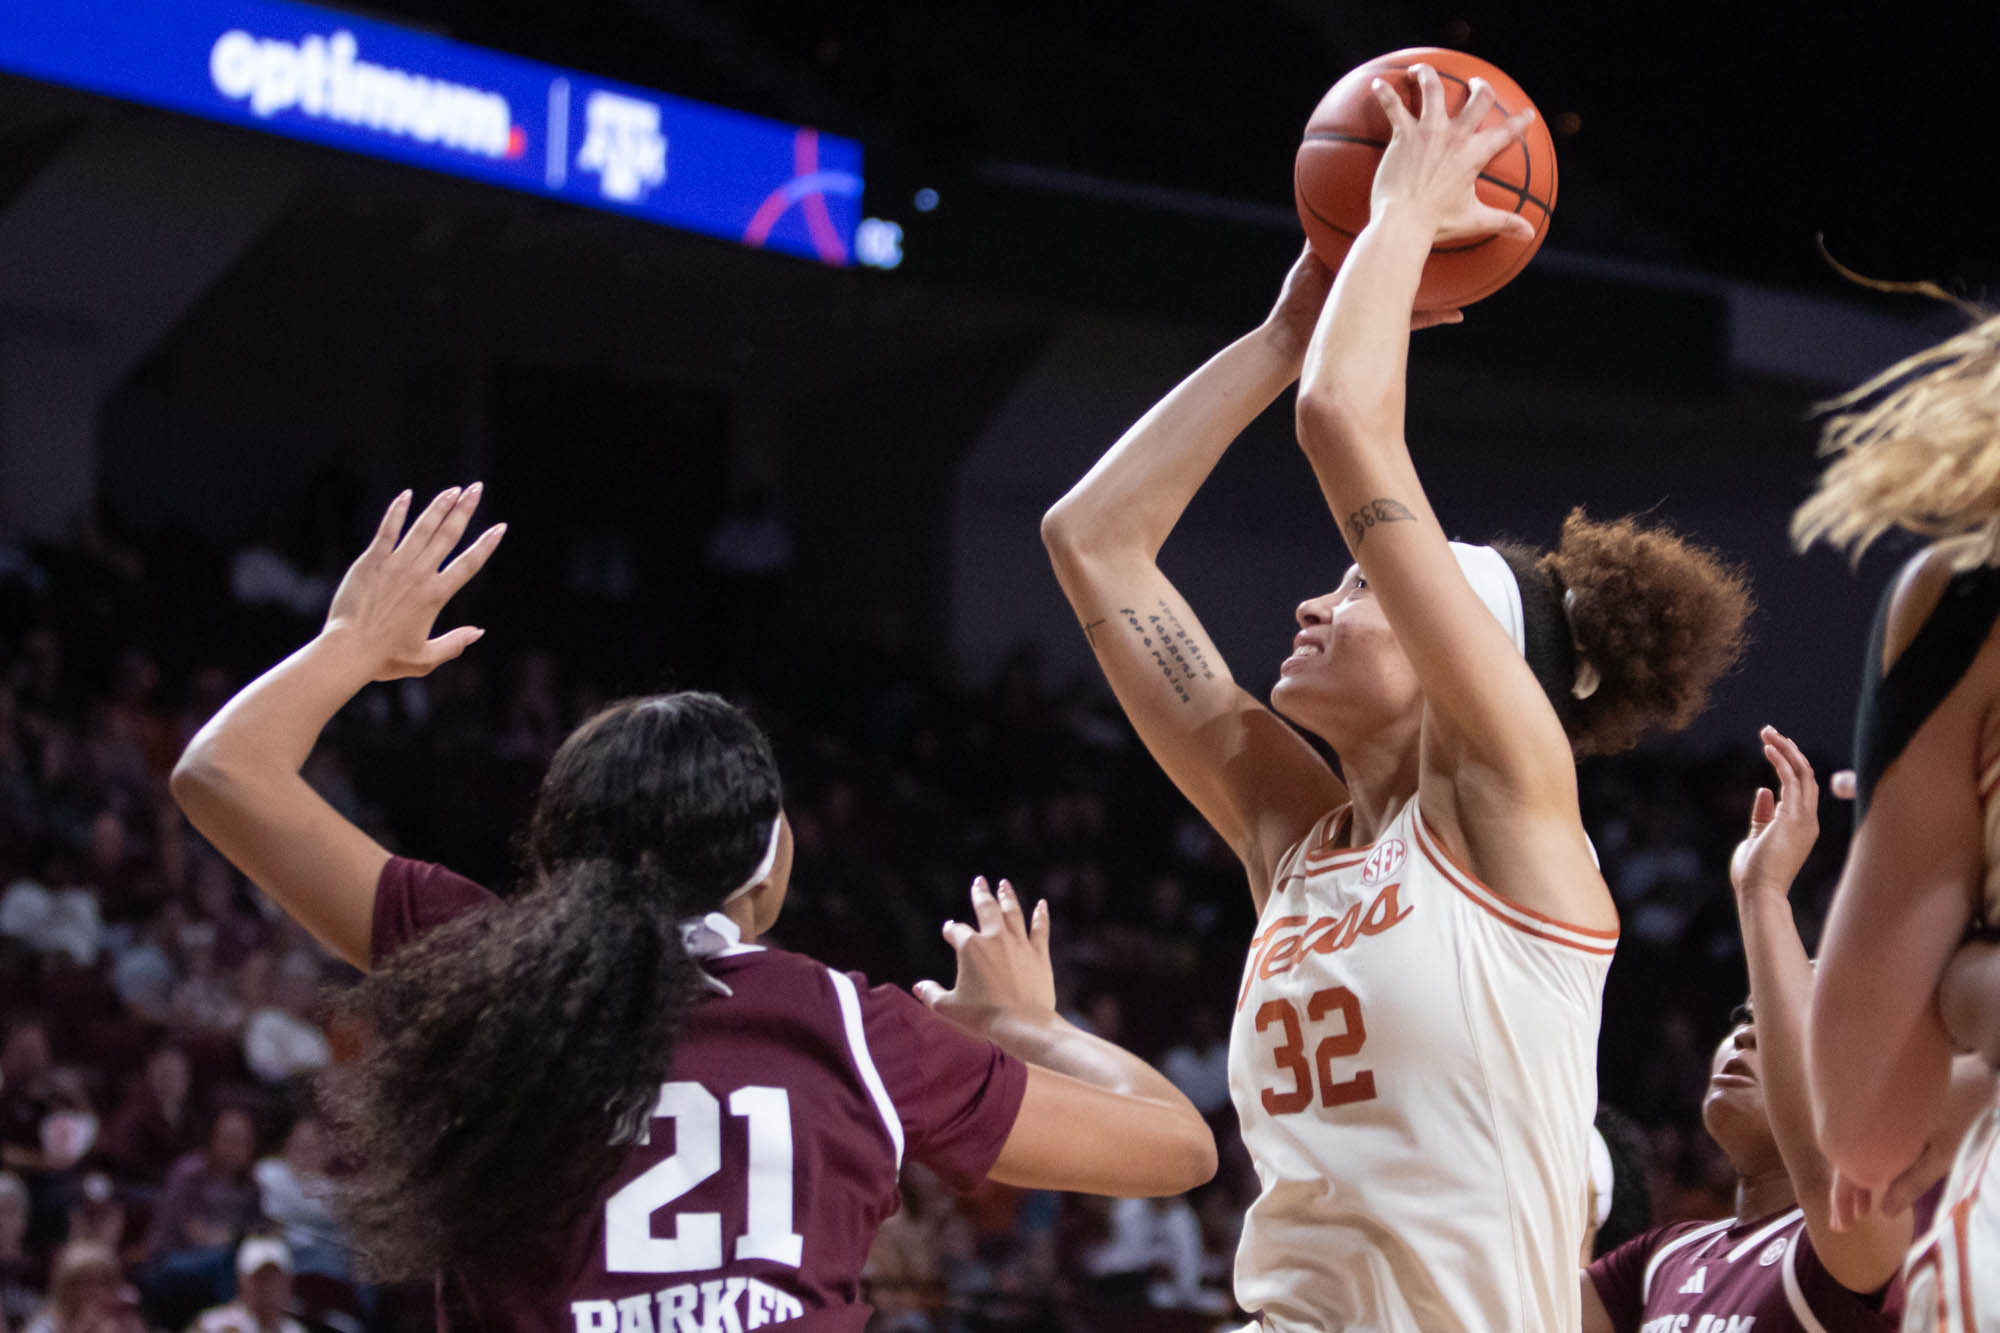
[
  {"x": 771, "y": 1157},
  {"x": 1734, "y": 1277}
]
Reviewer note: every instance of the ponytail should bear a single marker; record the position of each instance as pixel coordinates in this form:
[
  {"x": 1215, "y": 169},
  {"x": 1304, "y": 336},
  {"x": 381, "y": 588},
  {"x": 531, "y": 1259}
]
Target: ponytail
[
  {"x": 509, "y": 1049},
  {"x": 515, "y": 1049}
]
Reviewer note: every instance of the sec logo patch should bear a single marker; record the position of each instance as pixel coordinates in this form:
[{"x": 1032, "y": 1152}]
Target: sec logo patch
[
  {"x": 1771, "y": 1254},
  {"x": 1385, "y": 861}
]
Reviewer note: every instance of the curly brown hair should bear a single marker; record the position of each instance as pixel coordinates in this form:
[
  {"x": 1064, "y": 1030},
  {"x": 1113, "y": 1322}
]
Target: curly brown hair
[{"x": 1660, "y": 617}]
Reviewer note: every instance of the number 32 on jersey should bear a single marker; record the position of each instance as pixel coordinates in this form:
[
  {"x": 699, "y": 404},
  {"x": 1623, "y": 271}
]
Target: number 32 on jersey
[
  {"x": 1336, "y": 1002},
  {"x": 695, "y": 1242}
]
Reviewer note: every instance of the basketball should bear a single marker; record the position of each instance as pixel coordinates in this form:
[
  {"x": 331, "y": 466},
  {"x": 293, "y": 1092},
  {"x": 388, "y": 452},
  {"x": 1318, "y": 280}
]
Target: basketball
[{"x": 1344, "y": 139}]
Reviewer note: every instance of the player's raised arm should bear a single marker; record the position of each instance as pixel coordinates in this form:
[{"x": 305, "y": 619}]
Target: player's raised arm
[
  {"x": 1863, "y": 1256},
  {"x": 1256, "y": 782},
  {"x": 1880, "y": 1055},
  {"x": 1350, "y": 423},
  {"x": 239, "y": 781},
  {"x": 1095, "y": 1118}
]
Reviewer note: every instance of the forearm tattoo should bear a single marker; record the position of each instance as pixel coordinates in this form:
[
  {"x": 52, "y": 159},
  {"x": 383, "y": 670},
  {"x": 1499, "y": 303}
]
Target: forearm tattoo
[
  {"x": 1090, "y": 631},
  {"x": 1181, "y": 657},
  {"x": 1373, "y": 514}
]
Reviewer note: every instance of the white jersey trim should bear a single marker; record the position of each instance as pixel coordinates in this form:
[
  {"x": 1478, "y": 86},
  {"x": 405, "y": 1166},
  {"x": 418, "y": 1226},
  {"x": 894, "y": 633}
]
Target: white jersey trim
[
  {"x": 1602, "y": 943},
  {"x": 1795, "y": 1295},
  {"x": 1678, "y": 1243},
  {"x": 864, "y": 1061},
  {"x": 1757, "y": 1237}
]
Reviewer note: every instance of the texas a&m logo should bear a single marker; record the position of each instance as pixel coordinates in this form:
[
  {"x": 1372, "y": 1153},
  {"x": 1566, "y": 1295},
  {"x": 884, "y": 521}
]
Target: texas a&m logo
[{"x": 1279, "y": 948}]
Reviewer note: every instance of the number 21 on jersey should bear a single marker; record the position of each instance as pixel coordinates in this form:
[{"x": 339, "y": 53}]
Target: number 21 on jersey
[{"x": 695, "y": 1242}]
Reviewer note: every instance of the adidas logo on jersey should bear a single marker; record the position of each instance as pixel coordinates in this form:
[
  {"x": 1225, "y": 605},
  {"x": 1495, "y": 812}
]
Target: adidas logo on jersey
[{"x": 1695, "y": 1285}]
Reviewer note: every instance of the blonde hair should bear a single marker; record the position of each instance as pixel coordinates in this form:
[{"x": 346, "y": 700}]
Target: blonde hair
[{"x": 1917, "y": 447}]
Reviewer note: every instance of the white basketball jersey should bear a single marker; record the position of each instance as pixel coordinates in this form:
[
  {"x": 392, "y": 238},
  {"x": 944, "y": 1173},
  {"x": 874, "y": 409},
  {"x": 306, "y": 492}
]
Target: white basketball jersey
[
  {"x": 1953, "y": 1272},
  {"x": 1413, "y": 1059}
]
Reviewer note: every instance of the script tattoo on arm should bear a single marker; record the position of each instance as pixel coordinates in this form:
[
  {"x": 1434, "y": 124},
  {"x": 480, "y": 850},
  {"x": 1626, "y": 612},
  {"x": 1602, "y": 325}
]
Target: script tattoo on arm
[
  {"x": 1180, "y": 656},
  {"x": 1373, "y": 514}
]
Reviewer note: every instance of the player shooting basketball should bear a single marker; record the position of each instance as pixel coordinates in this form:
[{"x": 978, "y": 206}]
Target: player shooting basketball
[{"x": 1414, "y": 1049}]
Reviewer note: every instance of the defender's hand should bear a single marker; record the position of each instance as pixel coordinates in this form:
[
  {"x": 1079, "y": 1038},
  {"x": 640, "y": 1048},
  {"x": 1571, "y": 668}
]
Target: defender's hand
[
  {"x": 1003, "y": 964},
  {"x": 1782, "y": 828},
  {"x": 391, "y": 595}
]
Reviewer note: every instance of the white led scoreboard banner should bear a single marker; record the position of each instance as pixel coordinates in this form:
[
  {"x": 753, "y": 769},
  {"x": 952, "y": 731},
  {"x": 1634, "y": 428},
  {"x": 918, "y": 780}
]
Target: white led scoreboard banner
[{"x": 383, "y": 91}]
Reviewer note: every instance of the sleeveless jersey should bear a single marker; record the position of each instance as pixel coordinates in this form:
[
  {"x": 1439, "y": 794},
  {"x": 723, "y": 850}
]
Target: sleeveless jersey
[
  {"x": 1953, "y": 1272},
  {"x": 1896, "y": 703},
  {"x": 1413, "y": 1059},
  {"x": 772, "y": 1155}
]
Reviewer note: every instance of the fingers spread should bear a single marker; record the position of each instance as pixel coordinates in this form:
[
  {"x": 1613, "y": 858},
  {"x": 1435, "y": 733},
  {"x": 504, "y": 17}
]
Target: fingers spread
[
  {"x": 1392, "y": 104},
  {"x": 391, "y": 525},
  {"x": 1430, "y": 92},
  {"x": 1038, "y": 929},
  {"x": 1477, "y": 104},
  {"x": 417, "y": 539},
  {"x": 1010, "y": 910},
  {"x": 956, "y": 933},
  {"x": 929, "y": 992},
  {"x": 444, "y": 647},
  {"x": 472, "y": 559},
  {"x": 452, "y": 526},
  {"x": 984, "y": 909}
]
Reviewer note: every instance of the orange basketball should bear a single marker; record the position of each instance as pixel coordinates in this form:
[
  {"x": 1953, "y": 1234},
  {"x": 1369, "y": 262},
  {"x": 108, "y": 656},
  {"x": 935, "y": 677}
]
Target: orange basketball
[{"x": 1344, "y": 140}]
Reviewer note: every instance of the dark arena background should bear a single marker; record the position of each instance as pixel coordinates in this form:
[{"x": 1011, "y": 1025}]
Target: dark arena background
[{"x": 791, "y": 439}]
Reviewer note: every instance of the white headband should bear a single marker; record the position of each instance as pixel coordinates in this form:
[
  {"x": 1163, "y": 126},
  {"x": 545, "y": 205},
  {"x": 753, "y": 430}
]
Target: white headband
[
  {"x": 763, "y": 869},
  {"x": 1600, "y": 1173},
  {"x": 1494, "y": 583}
]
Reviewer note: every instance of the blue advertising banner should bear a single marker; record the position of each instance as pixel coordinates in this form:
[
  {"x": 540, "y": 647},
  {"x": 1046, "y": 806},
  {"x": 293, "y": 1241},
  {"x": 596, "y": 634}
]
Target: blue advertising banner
[{"x": 383, "y": 91}]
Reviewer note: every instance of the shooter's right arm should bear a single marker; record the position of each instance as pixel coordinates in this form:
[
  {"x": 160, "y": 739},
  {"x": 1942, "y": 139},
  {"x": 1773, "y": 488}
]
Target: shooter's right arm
[{"x": 1256, "y": 782}]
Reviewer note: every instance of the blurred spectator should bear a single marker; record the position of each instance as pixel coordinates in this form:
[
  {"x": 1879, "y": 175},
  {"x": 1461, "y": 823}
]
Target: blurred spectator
[
  {"x": 1151, "y": 1255},
  {"x": 902, "y": 1272},
  {"x": 145, "y": 972},
  {"x": 20, "y": 1290},
  {"x": 85, "y": 1282},
  {"x": 209, "y": 1201},
  {"x": 263, "y": 1291},
  {"x": 1198, "y": 1064},
  {"x": 204, "y": 1003},
  {"x": 152, "y": 1128},
  {"x": 65, "y": 924},
  {"x": 97, "y": 1214},
  {"x": 281, "y": 1039},
  {"x": 25, "y": 1064},
  {"x": 295, "y": 1194}
]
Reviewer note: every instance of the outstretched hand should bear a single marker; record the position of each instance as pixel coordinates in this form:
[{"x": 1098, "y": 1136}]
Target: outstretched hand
[
  {"x": 391, "y": 595},
  {"x": 1003, "y": 964},
  {"x": 1784, "y": 827},
  {"x": 1434, "y": 158}
]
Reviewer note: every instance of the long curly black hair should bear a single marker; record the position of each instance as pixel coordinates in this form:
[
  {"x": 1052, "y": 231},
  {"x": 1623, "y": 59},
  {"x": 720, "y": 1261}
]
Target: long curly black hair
[{"x": 513, "y": 1049}]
